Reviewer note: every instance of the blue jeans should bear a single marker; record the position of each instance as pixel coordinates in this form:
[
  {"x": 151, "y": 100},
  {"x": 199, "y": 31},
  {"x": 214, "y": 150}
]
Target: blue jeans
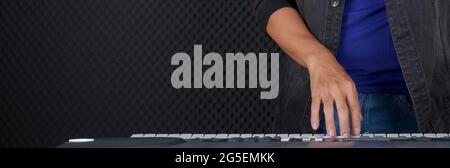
[{"x": 382, "y": 113}]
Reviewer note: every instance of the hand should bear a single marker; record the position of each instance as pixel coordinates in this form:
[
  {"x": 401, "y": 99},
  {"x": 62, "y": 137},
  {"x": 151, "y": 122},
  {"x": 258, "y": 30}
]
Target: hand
[{"x": 331, "y": 84}]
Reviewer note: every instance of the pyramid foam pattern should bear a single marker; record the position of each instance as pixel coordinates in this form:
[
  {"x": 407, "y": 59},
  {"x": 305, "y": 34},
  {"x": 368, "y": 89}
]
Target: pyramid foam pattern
[{"x": 92, "y": 68}]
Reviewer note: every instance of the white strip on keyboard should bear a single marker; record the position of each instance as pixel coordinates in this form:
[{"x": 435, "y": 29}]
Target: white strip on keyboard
[{"x": 289, "y": 137}]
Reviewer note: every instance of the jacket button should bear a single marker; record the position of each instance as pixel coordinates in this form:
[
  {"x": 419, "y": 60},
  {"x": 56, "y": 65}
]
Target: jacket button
[{"x": 335, "y": 3}]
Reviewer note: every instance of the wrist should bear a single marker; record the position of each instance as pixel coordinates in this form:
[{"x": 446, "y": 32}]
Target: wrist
[{"x": 316, "y": 58}]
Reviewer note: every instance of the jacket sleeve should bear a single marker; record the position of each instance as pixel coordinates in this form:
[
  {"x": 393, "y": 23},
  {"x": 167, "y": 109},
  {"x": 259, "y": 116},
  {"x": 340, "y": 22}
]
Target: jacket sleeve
[{"x": 265, "y": 8}]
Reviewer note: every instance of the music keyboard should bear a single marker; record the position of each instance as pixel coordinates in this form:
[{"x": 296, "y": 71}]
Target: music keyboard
[
  {"x": 301, "y": 137},
  {"x": 188, "y": 140}
]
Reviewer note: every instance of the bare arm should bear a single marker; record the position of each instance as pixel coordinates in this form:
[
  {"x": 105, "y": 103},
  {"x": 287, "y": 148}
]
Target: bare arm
[{"x": 329, "y": 81}]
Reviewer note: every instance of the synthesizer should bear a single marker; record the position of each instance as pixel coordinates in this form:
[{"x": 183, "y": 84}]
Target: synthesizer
[{"x": 187, "y": 140}]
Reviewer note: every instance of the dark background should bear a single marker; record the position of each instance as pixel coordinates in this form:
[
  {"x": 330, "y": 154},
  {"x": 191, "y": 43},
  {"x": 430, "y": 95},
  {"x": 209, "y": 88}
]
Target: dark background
[{"x": 101, "y": 68}]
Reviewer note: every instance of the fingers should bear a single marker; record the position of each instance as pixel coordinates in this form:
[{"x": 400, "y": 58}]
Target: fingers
[
  {"x": 355, "y": 111},
  {"x": 329, "y": 116},
  {"x": 343, "y": 114},
  {"x": 315, "y": 112}
]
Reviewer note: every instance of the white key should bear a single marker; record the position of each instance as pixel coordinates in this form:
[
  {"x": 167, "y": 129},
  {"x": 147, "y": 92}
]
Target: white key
[
  {"x": 186, "y": 136},
  {"x": 222, "y": 136},
  {"x": 137, "y": 136},
  {"x": 392, "y": 135},
  {"x": 318, "y": 135},
  {"x": 441, "y": 135},
  {"x": 294, "y": 135},
  {"x": 340, "y": 137},
  {"x": 234, "y": 135},
  {"x": 306, "y": 135},
  {"x": 306, "y": 139},
  {"x": 318, "y": 139},
  {"x": 367, "y": 135},
  {"x": 270, "y": 135},
  {"x": 417, "y": 135},
  {"x": 283, "y": 135},
  {"x": 407, "y": 135},
  {"x": 429, "y": 135},
  {"x": 197, "y": 136},
  {"x": 328, "y": 137},
  {"x": 246, "y": 135},
  {"x": 149, "y": 135},
  {"x": 162, "y": 135},
  {"x": 258, "y": 135},
  {"x": 285, "y": 139},
  {"x": 209, "y": 136},
  {"x": 380, "y": 135},
  {"x": 174, "y": 135}
]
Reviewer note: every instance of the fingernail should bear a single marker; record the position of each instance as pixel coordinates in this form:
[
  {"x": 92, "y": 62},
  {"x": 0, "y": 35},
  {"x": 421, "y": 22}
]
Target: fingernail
[
  {"x": 331, "y": 132},
  {"x": 345, "y": 135},
  {"x": 315, "y": 125}
]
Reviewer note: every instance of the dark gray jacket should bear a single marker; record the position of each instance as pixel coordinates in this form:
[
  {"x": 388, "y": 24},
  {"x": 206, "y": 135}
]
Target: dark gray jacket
[{"x": 420, "y": 31}]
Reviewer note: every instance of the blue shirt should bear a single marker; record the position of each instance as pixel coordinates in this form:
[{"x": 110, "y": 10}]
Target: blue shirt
[{"x": 366, "y": 50}]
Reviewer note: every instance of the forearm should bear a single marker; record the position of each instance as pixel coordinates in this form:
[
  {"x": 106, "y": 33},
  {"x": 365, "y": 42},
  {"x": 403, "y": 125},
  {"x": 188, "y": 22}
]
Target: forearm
[
  {"x": 330, "y": 84},
  {"x": 289, "y": 31}
]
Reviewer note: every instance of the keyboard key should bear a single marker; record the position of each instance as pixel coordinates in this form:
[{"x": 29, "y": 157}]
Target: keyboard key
[
  {"x": 246, "y": 135},
  {"x": 430, "y": 135},
  {"x": 294, "y": 135},
  {"x": 195, "y": 136},
  {"x": 173, "y": 135},
  {"x": 306, "y": 135},
  {"x": 440, "y": 135},
  {"x": 270, "y": 135},
  {"x": 162, "y": 135},
  {"x": 223, "y": 136},
  {"x": 379, "y": 135},
  {"x": 234, "y": 135},
  {"x": 367, "y": 135},
  {"x": 206, "y": 136},
  {"x": 407, "y": 135},
  {"x": 137, "y": 136},
  {"x": 392, "y": 135},
  {"x": 417, "y": 135},
  {"x": 149, "y": 135},
  {"x": 258, "y": 135},
  {"x": 186, "y": 136}
]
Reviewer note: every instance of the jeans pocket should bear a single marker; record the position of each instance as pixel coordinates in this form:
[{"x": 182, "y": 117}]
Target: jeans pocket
[{"x": 404, "y": 105}]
